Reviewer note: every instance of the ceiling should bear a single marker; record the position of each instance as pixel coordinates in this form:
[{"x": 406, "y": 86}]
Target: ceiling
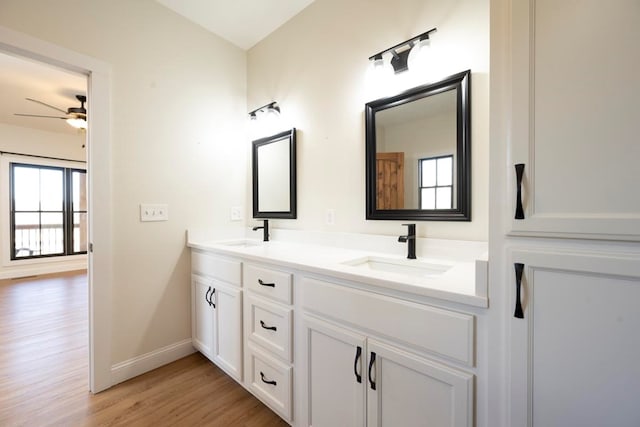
[
  {"x": 242, "y": 22},
  {"x": 21, "y": 78}
]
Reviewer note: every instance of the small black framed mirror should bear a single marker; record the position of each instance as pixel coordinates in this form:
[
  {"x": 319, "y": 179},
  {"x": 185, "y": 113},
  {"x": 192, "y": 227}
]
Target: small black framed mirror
[
  {"x": 418, "y": 153},
  {"x": 274, "y": 176}
]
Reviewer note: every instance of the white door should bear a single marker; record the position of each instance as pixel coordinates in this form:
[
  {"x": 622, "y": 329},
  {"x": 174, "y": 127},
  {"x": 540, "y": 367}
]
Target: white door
[
  {"x": 575, "y": 109},
  {"x": 336, "y": 375},
  {"x": 406, "y": 390},
  {"x": 575, "y": 346},
  {"x": 202, "y": 315},
  {"x": 228, "y": 328}
]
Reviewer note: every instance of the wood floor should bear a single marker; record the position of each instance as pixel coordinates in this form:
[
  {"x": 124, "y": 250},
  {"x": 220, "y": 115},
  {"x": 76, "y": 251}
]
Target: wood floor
[{"x": 44, "y": 371}]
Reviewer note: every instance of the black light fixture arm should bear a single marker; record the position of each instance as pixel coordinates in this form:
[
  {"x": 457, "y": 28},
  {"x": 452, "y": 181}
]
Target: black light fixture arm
[
  {"x": 411, "y": 42},
  {"x": 272, "y": 106}
]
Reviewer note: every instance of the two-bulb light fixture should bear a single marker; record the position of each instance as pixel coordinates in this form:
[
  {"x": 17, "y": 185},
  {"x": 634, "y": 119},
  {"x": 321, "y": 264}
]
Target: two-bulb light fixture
[
  {"x": 271, "y": 109},
  {"x": 401, "y": 53}
]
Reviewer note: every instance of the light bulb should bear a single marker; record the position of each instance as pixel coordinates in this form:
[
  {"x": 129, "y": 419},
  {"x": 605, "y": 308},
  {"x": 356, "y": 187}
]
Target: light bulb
[{"x": 77, "y": 123}]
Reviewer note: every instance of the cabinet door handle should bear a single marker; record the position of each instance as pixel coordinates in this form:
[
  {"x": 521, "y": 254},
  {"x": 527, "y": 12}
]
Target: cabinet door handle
[
  {"x": 372, "y": 361},
  {"x": 264, "y": 326},
  {"x": 519, "y": 174},
  {"x": 518, "y": 312},
  {"x": 206, "y": 296},
  {"x": 271, "y": 285},
  {"x": 213, "y": 291},
  {"x": 262, "y": 377},
  {"x": 355, "y": 364}
]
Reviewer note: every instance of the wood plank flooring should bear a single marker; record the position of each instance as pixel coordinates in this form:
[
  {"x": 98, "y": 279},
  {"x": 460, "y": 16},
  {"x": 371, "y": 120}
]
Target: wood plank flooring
[{"x": 44, "y": 371}]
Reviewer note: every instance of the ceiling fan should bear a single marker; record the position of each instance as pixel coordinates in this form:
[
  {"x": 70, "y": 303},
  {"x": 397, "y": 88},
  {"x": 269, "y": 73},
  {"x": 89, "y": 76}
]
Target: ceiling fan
[{"x": 75, "y": 116}]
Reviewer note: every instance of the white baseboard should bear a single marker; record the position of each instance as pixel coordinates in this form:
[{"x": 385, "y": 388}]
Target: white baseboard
[
  {"x": 37, "y": 269},
  {"x": 147, "y": 362}
]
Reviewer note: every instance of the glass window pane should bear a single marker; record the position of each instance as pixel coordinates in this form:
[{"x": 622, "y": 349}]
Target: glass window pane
[
  {"x": 445, "y": 171},
  {"x": 428, "y": 173},
  {"x": 27, "y": 234},
  {"x": 52, "y": 234},
  {"x": 26, "y": 188},
  {"x": 51, "y": 189},
  {"x": 443, "y": 198},
  {"x": 428, "y": 200},
  {"x": 79, "y": 186},
  {"x": 79, "y": 232}
]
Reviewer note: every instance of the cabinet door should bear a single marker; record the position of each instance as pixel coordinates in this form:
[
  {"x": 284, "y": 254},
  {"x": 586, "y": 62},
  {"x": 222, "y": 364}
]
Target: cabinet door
[
  {"x": 336, "y": 375},
  {"x": 574, "y": 118},
  {"x": 202, "y": 316},
  {"x": 575, "y": 347},
  {"x": 228, "y": 325},
  {"x": 406, "y": 390}
]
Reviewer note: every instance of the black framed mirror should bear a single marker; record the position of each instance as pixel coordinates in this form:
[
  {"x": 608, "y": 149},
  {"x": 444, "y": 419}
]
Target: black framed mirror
[
  {"x": 274, "y": 176},
  {"x": 418, "y": 153}
]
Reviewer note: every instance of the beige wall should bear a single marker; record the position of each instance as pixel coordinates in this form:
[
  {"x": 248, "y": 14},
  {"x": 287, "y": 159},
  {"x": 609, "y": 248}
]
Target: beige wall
[
  {"x": 178, "y": 111},
  {"x": 315, "y": 67}
]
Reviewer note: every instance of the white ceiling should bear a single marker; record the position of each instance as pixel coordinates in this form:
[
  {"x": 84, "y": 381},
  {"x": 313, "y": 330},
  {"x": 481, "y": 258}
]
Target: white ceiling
[
  {"x": 242, "y": 22},
  {"x": 21, "y": 78}
]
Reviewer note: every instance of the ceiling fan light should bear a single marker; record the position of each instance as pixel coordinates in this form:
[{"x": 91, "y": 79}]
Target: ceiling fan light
[{"x": 77, "y": 123}]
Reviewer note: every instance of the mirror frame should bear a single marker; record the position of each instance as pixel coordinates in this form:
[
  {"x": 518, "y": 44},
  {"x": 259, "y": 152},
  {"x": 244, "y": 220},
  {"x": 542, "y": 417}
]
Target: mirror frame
[
  {"x": 461, "y": 83},
  {"x": 292, "y": 212}
]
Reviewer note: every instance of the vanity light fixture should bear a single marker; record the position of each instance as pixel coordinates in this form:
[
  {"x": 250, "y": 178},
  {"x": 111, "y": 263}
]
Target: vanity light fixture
[
  {"x": 400, "y": 52},
  {"x": 270, "y": 108}
]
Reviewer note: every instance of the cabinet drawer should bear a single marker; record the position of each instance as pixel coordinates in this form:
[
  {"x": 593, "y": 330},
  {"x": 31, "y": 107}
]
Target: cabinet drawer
[
  {"x": 271, "y": 283},
  {"x": 434, "y": 330},
  {"x": 213, "y": 266},
  {"x": 270, "y": 326},
  {"x": 270, "y": 381}
]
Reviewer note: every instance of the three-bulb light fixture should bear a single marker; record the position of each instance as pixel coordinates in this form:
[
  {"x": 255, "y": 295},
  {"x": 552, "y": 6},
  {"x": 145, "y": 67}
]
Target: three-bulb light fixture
[{"x": 408, "y": 55}]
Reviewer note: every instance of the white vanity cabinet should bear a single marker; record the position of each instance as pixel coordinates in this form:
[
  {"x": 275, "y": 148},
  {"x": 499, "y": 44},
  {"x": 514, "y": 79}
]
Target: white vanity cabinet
[
  {"x": 216, "y": 311},
  {"x": 378, "y": 361},
  {"x": 268, "y": 323}
]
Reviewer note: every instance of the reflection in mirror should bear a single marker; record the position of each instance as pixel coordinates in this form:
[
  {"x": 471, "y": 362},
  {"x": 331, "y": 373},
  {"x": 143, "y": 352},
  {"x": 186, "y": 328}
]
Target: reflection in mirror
[
  {"x": 274, "y": 176},
  {"x": 418, "y": 153}
]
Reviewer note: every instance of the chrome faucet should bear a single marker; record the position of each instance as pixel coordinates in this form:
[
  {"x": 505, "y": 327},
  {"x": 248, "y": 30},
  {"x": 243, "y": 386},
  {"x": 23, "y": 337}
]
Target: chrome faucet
[
  {"x": 410, "y": 239},
  {"x": 265, "y": 229}
]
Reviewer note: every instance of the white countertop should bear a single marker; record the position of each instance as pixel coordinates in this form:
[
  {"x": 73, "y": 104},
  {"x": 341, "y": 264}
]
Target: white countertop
[{"x": 464, "y": 282}]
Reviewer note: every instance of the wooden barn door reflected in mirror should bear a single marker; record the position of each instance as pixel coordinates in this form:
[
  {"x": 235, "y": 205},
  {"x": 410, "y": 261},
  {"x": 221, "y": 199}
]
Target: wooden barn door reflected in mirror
[{"x": 390, "y": 181}]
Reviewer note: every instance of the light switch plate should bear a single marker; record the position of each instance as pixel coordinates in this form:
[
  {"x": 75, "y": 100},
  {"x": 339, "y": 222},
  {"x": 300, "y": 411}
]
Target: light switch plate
[{"x": 154, "y": 212}]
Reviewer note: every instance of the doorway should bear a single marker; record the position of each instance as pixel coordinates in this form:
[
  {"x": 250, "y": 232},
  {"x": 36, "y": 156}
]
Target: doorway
[{"x": 99, "y": 275}]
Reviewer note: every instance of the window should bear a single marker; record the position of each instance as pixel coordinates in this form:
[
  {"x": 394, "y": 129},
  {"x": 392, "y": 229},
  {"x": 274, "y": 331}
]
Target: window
[
  {"x": 436, "y": 182},
  {"x": 48, "y": 211}
]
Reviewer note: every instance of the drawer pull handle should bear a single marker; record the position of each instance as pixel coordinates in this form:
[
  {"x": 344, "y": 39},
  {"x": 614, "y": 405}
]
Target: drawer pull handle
[
  {"x": 271, "y": 285},
  {"x": 213, "y": 291},
  {"x": 271, "y": 382},
  {"x": 264, "y": 326},
  {"x": 518, "y": 312},
  {"x": 206, "y": 296},
  {"x": 372, "y": 361},
  {"x": 519, "y": 174},
  {"x": 355, "y": 364}
]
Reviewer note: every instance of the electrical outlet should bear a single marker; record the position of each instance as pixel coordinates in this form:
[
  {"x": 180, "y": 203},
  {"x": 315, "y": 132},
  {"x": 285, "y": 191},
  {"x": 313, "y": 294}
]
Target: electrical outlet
[
  {"x": 236, "y": 213},
  {"x": 331, "y": 216},
  {"x": 154, "y": 212}
]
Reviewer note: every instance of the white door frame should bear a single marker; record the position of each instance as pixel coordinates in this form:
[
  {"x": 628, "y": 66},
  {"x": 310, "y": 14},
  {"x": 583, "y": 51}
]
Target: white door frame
[{"x": 99, "y": 178}]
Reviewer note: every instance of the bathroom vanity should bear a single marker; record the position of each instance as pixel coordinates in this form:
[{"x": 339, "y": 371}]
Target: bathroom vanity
[{"x": 327, "y": 336}]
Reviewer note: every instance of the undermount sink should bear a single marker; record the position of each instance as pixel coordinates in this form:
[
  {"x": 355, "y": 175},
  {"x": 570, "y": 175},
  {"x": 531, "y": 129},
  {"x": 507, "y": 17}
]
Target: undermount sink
[
  {"x": 409, "y": 267},
  {"x": 241, "y": 243}
]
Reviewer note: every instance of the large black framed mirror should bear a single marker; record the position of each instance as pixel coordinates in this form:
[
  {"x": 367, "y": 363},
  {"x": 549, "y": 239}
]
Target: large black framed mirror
[
  {"x": 418, "y": 153},
  {"x": 274, "y": 176}
]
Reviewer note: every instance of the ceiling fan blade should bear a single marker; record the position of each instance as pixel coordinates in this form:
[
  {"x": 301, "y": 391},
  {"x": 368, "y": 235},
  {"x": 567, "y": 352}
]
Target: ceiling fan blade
[
  {"x": 46, "y": 105},
  {"x": 37, "y": 115}
]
